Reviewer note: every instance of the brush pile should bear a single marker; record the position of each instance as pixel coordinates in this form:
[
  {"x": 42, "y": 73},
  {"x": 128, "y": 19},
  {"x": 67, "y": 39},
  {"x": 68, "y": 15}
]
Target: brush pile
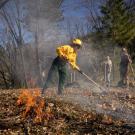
[{"x": 59, "y": 117}]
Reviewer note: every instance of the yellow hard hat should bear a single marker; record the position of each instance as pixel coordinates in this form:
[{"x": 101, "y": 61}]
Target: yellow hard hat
[{"x": 77, "y": 42}]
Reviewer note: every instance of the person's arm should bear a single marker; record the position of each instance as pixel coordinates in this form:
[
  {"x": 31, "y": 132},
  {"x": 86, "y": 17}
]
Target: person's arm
[
  {"x": 129, "y": 59},
  {"x": 72, "y": 62}
]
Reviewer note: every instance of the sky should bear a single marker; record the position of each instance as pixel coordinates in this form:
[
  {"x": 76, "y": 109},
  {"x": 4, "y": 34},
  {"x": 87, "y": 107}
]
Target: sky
[
  {"x": 73, "y": 8},
  {"x": 73, "y": 11},
  {"x": 76, "y": 12}
]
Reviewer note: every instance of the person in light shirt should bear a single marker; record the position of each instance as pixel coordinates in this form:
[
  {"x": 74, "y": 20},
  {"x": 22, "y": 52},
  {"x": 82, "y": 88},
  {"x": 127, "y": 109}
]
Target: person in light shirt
[{"x": 108, "y": 69}]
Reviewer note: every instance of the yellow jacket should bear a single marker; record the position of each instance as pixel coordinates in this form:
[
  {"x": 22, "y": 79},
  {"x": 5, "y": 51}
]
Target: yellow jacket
[{"x": 67, "y": 52}]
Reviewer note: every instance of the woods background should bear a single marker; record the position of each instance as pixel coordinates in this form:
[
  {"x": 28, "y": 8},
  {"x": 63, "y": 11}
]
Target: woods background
[{"x": 30, "y": 31}]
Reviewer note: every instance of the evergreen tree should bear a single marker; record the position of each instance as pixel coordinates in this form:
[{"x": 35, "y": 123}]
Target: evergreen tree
[{"x": 117, "y": 22}]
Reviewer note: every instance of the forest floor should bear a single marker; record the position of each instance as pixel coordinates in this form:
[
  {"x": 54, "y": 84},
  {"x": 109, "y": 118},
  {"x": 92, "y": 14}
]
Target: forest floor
[{"x": 75, "y": 112}]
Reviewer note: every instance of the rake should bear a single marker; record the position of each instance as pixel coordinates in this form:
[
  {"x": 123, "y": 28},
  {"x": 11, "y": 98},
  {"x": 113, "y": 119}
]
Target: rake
[{"x": 96, "y": 84}]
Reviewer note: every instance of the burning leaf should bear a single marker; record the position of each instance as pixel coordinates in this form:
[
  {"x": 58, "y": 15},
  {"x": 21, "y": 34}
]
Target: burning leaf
[
  {"x": 32, "y": 100},
  {"x": 39, "y": 110}
]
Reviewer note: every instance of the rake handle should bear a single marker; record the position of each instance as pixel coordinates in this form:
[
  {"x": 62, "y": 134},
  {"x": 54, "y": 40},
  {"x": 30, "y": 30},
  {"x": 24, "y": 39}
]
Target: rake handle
[{"x": 90, "y": 79}]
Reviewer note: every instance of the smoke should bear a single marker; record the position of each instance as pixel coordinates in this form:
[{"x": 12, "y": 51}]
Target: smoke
[
  {"x": 34, "y": 35},
  {"x": 43, "y": 22},
  {"x": 41, "y": 19}
]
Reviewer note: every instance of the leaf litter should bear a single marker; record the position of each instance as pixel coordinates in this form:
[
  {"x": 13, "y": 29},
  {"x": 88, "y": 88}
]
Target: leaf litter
[{"x": 95, "y": 115}]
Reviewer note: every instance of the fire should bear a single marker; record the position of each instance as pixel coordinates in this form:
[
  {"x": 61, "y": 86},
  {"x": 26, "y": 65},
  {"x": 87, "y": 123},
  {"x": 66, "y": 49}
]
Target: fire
[{"x": 32, "y": 100}]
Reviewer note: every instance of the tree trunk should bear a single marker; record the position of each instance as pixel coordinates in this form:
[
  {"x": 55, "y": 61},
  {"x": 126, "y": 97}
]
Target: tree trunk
[
  {"x": 23, "y": 70},
  {"x": 4, "y": 79},
  {"x": 39, "y": 81}
]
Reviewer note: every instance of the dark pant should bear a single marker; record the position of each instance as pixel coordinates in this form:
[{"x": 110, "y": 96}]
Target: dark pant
[
  {"x": 59, "y": 66},
  {"x": 124, "y": 75}
]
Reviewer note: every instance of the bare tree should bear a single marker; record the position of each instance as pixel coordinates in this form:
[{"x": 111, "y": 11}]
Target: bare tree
[
  {"x": 14, "y": 26},
  {"x": 2, "y": 3},
  {"x": 40, "y": 21},
  {"x": 19, "y": 60}
]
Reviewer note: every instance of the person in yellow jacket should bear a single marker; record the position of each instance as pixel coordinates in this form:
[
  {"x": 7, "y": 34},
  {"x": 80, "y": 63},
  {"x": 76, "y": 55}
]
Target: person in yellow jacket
[{"x": 65, "y": 54}]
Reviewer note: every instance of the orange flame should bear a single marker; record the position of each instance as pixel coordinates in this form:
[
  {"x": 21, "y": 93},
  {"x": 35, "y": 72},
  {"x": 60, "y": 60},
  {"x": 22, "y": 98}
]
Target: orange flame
[
  {"x": 39, "y": 111},
  {"x": 32, "y": 99}
]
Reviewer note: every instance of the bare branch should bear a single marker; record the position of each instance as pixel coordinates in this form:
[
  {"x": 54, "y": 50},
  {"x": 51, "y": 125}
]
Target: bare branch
[{"x": 2, "y": 4}]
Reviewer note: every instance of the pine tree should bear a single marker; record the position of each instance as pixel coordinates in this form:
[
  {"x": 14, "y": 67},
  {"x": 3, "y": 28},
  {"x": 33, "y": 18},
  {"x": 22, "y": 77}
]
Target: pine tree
[{"x": 117, "y": 23}]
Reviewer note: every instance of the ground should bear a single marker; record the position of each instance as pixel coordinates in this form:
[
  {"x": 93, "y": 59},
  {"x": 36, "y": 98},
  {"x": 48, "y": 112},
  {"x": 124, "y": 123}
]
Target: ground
[{"x": 76, "y": 112}]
